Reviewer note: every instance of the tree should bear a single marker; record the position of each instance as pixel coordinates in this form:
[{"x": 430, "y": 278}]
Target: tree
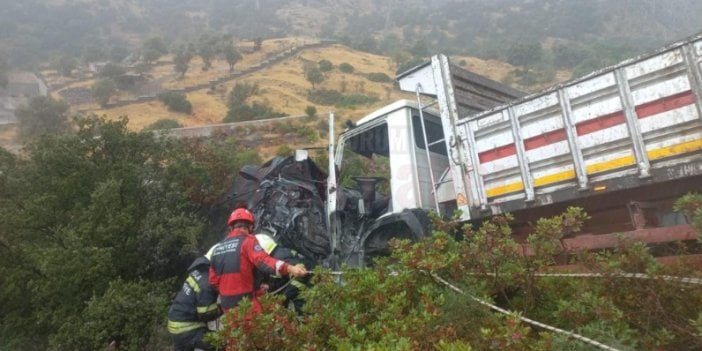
[
  {"x": 182, "y": 58},
  {"x": 103, "y": 90},
  {"x": 65, "y": 65},
  {"x": 524, "y": 52},
  {"x": 258, "y": 43},
  {"x": 232, "y": 55},
  {"x": 207, "y": 50},
  {"x": 153, "y": 48},
  {"x": 311, "y": 111},
  {"x": 98, "y": 227},
  {"x": 112, "y": 71},
  {"x": 314, "y": 76},
  {"x": 325, "y": 65},
  {"x": 43, "y": 115}
]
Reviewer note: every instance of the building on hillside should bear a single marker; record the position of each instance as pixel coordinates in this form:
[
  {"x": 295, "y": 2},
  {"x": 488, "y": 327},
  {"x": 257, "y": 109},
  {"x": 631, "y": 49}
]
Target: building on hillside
[{"x": 21, "y": 87}]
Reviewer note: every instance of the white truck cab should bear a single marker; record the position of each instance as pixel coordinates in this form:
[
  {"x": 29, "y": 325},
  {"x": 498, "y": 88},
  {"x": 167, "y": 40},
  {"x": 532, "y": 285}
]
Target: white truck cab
[{"x": 386, "y": 151}]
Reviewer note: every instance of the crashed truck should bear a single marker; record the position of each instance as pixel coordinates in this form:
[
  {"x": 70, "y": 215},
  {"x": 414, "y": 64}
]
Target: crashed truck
[{"x": 623, "y": 142}]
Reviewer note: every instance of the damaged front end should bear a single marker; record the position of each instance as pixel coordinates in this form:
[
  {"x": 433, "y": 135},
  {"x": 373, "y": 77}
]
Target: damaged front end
[{"x": 288, "y": 198}]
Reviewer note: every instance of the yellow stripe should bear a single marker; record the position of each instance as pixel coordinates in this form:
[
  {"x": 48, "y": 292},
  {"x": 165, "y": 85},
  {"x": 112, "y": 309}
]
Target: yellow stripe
[
  {"x": 205, "y": 309},
  {"x": 175, "y": 327},
  {"x": 509, "y": 188},
  {"x": 554, "y": 178},
  {"x": 193, "y": 284},
  {"x": 598, "y": 167},
  {"x": 675, "y": 149},
  {"x": 611, "y": 164}
]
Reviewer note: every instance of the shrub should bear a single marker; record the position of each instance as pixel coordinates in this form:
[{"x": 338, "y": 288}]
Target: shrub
[
  {"x": 334, "y": 97},
  {"x": 350, "y": 101},
  {"x": 373, "y": 308},
  {"x": 246, "y": 112},
  {"x": 310, "y": 135},
  {"x": 164, "y": 123},
  {"x": 325, "y": 65},
  {"x": 378, "y": 77},
  {"x": 176, "y": 102},
  {"x": 346, "y": 68},
  {"x": 311, "y": 111},
  {"x": 284, "y": 150},
  {"x": 325, "y": 96}
]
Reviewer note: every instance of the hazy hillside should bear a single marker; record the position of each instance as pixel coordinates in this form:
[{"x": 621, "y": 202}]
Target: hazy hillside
[{"x": 35, "y": 30}]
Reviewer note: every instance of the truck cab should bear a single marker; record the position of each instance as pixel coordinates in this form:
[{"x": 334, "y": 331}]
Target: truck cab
[{"x": 386, "y": 152}]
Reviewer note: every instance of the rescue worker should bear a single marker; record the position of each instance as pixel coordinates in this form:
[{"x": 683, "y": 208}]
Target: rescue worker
[
  {"x": 193, "y": 307},
  {"x": 236, "y": 257},
  {"x": 289, "y": 287}
]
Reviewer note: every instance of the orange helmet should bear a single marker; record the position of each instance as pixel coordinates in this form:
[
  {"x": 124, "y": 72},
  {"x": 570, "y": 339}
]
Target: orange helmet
[{"x": 241, "y": 214}]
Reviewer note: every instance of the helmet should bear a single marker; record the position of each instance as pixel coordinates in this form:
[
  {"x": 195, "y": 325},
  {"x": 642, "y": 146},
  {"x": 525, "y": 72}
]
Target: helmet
[
  {"x": 241, "y": 214},
  {"x": 266, "y": 242}
]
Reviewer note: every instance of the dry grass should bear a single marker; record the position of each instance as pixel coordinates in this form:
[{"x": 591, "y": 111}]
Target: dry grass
[{"x": 284, "y": 88}]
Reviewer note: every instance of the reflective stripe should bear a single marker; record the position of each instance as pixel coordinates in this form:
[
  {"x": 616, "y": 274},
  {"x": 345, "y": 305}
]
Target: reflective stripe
[
  {"x": 175, "y": 327},
  {"x": 193, "y": 284},
  {"x": 205, "y": 309},
  {"x": 298, "y": 284}
]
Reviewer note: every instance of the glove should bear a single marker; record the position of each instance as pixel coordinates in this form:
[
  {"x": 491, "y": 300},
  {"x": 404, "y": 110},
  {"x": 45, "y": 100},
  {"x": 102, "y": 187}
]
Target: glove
[{"x": 297, "y": 271}]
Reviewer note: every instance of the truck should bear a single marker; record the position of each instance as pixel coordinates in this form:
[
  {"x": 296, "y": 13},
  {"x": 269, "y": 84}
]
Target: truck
[{"x": 622, "y": 142}]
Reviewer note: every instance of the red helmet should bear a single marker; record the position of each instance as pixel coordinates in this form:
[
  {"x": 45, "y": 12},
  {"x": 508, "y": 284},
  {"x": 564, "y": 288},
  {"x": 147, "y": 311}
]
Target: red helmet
[{"x": 241, "y": 214}]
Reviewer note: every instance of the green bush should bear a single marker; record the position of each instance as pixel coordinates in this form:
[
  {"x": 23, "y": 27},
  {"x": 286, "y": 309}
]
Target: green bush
[
  {"x": 325, "y": 97},
  {"x": 284, "y": 150},
  {"x": 378, "y": 77},
  {"x": 311, "y": 111},
  {"x": 176, "y": 102},
  {"x": 334, "y": 97},
  {"x": 325, "y": 65},
  {"x": 254, "y": 111},
  {"x": 352, "y": 100},
  {"x": 346, "y": 68},
  {"x": 398, "y": 305}
]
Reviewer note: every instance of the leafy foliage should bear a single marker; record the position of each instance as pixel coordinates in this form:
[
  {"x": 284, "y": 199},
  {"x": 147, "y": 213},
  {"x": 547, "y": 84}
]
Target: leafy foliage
[
  {"x": 399, "y": 306},
  {"x": 334, "y": 97},
  {"x": 103, "y": 90},
  {"x": 164, "y": 123},
  {"x": 43, "y": 115},
  {"x": 240, "y": 110},
  {"x": 346, "y": 67},
  {"x": 311, "y": 111},
  {"x": 177, "y": 102},
  {"x": 325, "y": 66},
  {"x": 92, "y": 223},
  {"x": 378, "y": 77},
  {"x": 314, "y": 75}
]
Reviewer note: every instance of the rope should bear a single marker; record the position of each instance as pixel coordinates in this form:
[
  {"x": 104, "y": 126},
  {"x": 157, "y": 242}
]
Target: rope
[
  {"x": 671, "y": 278},
  {"x": 282, "y": 287},
  {"x": 524, "y": 319}
]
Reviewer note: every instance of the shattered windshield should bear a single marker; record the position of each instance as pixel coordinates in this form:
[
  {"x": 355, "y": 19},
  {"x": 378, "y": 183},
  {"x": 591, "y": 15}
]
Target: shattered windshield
[{"x": 367, "y": 155}]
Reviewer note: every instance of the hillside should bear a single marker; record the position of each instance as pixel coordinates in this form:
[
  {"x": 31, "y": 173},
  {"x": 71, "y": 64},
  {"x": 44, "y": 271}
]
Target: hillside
[{"x": 282, "y": 87}]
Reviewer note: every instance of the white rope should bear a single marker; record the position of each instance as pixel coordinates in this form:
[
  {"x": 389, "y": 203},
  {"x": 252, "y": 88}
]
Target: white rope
[
  {"x": 684, "y": 280},
  {"x": 524, "y": 319},
  {"x": 671, "y": 278}
]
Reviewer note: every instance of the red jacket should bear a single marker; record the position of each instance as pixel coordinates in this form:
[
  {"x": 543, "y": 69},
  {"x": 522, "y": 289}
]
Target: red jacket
[{"x": 232, "y": 267}]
